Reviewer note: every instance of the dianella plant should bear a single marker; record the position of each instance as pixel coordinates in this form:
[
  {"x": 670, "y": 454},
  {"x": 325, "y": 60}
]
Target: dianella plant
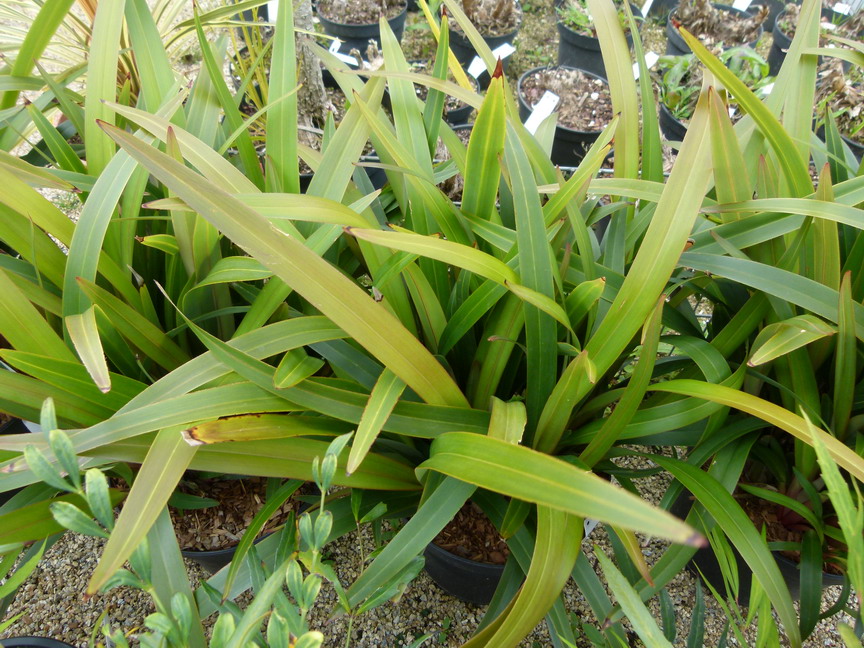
[
  {"x": 208, "y": 316},
  {"x": 777, "y": 258}
]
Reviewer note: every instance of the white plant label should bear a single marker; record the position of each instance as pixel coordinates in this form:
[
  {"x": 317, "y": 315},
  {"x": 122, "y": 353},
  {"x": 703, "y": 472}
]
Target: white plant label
[
  {"x": 345, "y": 58},
  {"x": 843, "y": 8},
  {"x": 272, "y": 8},
  {"x": 647, "y": 7},
  {"x": 503, "y": 51},
  {"x": 478, "y": 67},
  {"x": 589, "y": 526},
  {"x": 731, "y": 112},
  {"x": 767, "y": 89},
  {"x": 651, "y": 59},
  {"x": 829, "y": 26},
  {"x": 741, "y": 5},
  {"x": 541, "y": 111}
]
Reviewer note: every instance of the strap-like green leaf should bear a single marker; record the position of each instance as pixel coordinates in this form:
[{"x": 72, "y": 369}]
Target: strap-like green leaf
[
  {"x": 167, "y": 459},
  {"x": 767, "y": 411},
  {"x": 324, "y": 286},
  {"x": 780, "y": 338},
  {"x": 743, "y": 534},
  {"x": 381, "y": 402},
  {"x": 529, "y": 475},
  {"x": 82, "y": 332}
]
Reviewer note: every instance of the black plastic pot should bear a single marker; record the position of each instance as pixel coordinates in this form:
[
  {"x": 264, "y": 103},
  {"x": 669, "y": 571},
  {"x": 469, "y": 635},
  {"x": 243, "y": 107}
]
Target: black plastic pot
[
  {"x": 468, "y": 580},
  {"x": 662, "y": 8},
  {"x": 456, "y": 115},
  {"x": 358, "y": 36},
  {"x": 779, "y": 46},
  {"x": 569, "y": 146},
  {"x": 705, "y": 561},
  {"x": 676, "y": 46},
  {"x": 672, "y": 128},
  {"x": 464, "y": 51},
  {"x": 212, "y": 561},
  {"x": 775, "y": 8},
  {"x": 583, "y": 52},
  {"x": 378, "y": 178},
  {"x": 781, "y": 43},
  {"x": 857, "y": 149},
  {"x": 33, "y": 642}
]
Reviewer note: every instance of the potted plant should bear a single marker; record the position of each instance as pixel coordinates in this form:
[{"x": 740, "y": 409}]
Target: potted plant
[
  {"x": 840, "y": 92},
  {"x": 679, "y": 80},
  {"x": 466, "y": 361},
  {"x": 292, "y": 562},
  {"x": 212, "y": 515},
  {"x": 409, "y": 362},
  {"x": 466, "y": 559},
  {"x": 497, "y": 21},
  {"x": 716, "y": 25},
  {"x": 356, "y": 23},
  {"x": 456, "y": 111},
  {"x": 578, "y": 45},
  {"x": 833, "y": 24},
  {"x": 799, "y": 360},
  {"x": 584, "y": 109},
  {"x": 389, "y": 365}
]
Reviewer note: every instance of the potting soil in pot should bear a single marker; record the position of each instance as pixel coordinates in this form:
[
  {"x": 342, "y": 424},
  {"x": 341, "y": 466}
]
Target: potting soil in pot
[
  {"x": 491, "y": 17},
  {"x": 843, "y": 92},
  {"x": 222, "y": 526},
  {"x": 471, "y": 535},
  {"x": 585, "y": 102},
  {"x": 455, "y": 111},
  {"x": 713, "y": 25},
  {"x": 360, "y": 12}
]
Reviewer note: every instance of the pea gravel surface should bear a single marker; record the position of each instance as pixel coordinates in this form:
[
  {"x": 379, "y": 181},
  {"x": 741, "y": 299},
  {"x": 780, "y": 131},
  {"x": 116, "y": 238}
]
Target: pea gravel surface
[{"x": 52, "y": 601}]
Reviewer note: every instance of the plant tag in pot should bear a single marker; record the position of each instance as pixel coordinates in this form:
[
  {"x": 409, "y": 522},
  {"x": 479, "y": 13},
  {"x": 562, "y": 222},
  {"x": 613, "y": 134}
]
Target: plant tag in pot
[
  {"x": 741, "y": 5},
  {"x": 503, "y": 51},
  {"x": 651, "y": 59},
  {"x": 646, "y": 7},
  {"x": 843, "y": 8},
  {"x": 272, "y": 8},
  {"x": 478, "y": 67},
  {"x": 345, "y": 58},
  {"x": 589, "y": 526},
  {"x": 541, "y": 111}
]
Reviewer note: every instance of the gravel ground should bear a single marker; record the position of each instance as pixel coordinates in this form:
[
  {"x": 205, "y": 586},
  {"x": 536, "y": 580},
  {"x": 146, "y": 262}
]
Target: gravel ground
[{"x": 53, "y": 605}]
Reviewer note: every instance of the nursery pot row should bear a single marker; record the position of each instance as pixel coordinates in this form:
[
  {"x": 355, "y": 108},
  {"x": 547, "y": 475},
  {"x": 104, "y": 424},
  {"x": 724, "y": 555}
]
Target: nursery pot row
[
  {"x": 676, "y": 46},
  {"x": 33, "y": 642},
  {"x": 358, "y": 36},
  {"x": 352, "y": 36},
  {"x": 569, "y": 145},
  {"x": 582, "y": 51}
]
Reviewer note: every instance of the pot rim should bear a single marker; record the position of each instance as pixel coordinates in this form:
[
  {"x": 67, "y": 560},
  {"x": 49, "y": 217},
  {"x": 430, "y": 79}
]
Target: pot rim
[
  {"x": 464, "y": 562},
  {"x": 729, "y": 9},
  {"x": 566, "y": 129},
  {"x": 401, "y": 14},
  {"x": 637, "y": 13}
]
